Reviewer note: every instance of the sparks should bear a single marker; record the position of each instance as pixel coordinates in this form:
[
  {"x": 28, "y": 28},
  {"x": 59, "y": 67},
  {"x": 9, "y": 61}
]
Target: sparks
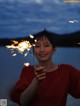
[
  {"x": 22, "y": 47},
  {"x": 31, "y": 36},
  {"x": 14, "y": 54},
  {"x": 26, "y": 64}
]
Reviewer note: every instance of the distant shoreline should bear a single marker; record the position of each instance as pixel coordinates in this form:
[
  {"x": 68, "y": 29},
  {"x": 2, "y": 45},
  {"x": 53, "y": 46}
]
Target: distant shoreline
[{"x": 64, "y": 40}]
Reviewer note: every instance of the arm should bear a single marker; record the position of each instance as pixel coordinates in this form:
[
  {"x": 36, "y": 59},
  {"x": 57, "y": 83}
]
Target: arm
[
  {"x": 29, "y": 92},
  {"x": 26, "y": 86},
  {"x": 74, "y": 86}
]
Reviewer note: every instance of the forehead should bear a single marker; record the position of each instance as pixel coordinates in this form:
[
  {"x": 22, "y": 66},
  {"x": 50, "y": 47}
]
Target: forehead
[{"x": 42, "y": 39}]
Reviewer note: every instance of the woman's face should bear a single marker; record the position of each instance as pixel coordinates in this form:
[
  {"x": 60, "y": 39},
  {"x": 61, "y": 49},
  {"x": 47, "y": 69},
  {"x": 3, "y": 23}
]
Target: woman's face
[{"x": 43, "y": 50}]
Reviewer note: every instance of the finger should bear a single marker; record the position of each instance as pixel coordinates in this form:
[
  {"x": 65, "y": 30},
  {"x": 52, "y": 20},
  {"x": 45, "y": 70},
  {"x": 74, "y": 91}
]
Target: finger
[
  {"x": 40, "y": 75},
  {"x": 37, "y": 68},
  {"x": 40, "y": 78}
]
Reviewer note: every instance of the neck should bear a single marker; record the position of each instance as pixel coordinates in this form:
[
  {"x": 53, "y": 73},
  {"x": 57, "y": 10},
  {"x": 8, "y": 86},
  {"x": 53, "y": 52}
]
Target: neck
[
  {"x": 46, "y": 64},
  {"x": 49, "y": 66}
]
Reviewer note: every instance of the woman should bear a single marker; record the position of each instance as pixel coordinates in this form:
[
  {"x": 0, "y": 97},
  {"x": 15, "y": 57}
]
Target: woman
[{"x": 46, "y": 84}]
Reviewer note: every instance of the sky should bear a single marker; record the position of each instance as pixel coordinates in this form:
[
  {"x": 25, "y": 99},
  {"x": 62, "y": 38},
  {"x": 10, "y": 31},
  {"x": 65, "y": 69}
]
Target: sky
[{"x": 19, "y": 18}]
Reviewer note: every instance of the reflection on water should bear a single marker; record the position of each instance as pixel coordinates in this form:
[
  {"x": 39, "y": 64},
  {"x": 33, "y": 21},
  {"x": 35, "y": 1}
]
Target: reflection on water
[{"x": 10, "y": 68}]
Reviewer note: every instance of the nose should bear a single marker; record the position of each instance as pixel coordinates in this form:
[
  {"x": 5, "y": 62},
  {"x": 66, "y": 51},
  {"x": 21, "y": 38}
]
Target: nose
[{"x": 41, "y": 48}]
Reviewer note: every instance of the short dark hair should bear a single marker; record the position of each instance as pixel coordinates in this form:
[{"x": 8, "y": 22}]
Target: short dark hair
[{"x": 45, "y": 34}]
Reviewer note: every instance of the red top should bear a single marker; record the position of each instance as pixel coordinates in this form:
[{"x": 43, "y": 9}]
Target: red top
[{"x": 53, "y": 90}]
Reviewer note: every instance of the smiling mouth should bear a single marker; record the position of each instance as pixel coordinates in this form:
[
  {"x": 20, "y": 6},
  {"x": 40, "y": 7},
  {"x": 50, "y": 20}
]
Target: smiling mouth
[{"x": 43, "y": 55}]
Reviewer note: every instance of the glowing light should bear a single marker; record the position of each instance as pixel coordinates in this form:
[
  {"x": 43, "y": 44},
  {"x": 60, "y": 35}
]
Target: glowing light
[
  {"x": 14, "y": 54},
  {"x": 35, "y": 40},
  {"x": 31, "y": 36},
  {"x": 22, "y": 47},
  {"x": 73, "y": 21},
  {"x": 26, "y": 64},
  {"x": 79, "y": 43}
]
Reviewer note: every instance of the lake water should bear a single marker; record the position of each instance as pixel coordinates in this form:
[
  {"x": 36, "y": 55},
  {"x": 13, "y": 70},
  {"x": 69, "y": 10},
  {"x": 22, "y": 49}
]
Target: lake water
[{"x": 10, "y": 68}]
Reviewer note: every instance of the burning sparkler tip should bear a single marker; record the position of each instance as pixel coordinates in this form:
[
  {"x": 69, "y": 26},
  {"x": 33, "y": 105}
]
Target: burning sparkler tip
[{"x": 21, "y": 47}]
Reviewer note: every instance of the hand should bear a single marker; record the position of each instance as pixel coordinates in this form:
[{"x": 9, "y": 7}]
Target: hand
[{"x": 39, "y": 72}]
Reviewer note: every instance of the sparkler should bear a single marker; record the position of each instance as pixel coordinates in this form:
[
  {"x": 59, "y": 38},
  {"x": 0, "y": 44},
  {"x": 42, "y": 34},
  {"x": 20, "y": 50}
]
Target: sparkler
[{"x": 21, "y": 47}]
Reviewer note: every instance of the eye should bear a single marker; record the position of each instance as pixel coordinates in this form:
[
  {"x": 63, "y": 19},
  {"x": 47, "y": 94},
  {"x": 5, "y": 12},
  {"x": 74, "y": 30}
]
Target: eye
[
  {"x": 47, "y": 45},
  {"x": 37, "y": 46}
]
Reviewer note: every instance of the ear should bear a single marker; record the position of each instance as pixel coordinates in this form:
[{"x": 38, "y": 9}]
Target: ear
[{"x": 54, "y": 50}]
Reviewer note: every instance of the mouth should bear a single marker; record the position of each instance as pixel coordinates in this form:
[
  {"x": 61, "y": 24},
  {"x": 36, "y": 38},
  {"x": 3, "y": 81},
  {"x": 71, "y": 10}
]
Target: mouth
[{"x": 42, "y": 55}]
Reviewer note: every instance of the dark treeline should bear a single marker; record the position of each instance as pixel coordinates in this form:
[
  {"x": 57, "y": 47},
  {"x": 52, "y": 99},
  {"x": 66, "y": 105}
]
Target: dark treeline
[{"x": 61, "y": 40}]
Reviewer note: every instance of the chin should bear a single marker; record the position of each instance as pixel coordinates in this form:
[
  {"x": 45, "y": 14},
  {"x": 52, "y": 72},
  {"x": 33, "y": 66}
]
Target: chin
[{"x": 43, "y": 60}]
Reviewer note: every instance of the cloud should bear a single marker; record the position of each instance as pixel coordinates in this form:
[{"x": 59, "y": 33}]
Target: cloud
[
  {"x": 39, "y": 20},
  {"x": 23, "y": 16},
  {"x": 39, "y": 1},
  {"x": 23, "y": 1},
  {"x": 35, "y": 1},
  {"x": 58, "y": 1}
]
